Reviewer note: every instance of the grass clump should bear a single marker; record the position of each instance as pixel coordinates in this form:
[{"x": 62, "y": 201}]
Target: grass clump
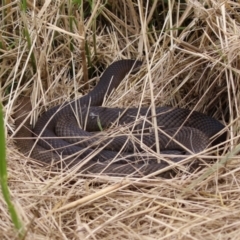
[{"x": 191, "y": 54}]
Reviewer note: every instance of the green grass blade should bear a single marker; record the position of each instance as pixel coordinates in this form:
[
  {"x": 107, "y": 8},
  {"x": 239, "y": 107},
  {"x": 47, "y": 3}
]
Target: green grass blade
[{"x": 3, "y": 177}]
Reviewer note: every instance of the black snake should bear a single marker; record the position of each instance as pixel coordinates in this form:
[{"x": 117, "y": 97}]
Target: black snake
[{"x": 59, "y": 134}]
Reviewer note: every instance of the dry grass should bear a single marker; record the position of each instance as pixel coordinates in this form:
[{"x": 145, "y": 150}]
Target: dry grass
[{"x": 192, "y": 60}]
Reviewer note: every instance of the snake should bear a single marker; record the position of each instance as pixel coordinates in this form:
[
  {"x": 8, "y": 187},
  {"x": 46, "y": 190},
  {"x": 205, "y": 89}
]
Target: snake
[{"x": 113, "y": 141}]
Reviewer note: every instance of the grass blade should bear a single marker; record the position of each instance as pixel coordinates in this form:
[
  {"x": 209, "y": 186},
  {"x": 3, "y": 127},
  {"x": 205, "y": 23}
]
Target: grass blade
[{"x": 3, "y": 176}]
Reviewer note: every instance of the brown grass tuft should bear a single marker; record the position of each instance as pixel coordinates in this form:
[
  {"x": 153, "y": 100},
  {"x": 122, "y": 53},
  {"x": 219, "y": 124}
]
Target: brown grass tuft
[{"x": 192, "y": 60}]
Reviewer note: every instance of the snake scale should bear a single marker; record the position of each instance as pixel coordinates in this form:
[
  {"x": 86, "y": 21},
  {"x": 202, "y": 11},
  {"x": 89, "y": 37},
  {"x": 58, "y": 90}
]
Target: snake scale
[{"x": 58, "y": 133}]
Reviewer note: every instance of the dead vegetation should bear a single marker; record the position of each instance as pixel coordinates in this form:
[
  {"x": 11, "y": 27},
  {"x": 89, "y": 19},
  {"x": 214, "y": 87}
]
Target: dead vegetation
[{"x": 192, "y": 60}]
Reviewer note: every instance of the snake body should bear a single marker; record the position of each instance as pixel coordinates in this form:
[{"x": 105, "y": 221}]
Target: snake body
[{"x": 59, "y": 135}]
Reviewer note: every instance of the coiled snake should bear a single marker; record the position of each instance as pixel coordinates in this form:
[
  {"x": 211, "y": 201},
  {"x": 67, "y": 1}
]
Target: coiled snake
[{"x": 58, "y": 133}]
